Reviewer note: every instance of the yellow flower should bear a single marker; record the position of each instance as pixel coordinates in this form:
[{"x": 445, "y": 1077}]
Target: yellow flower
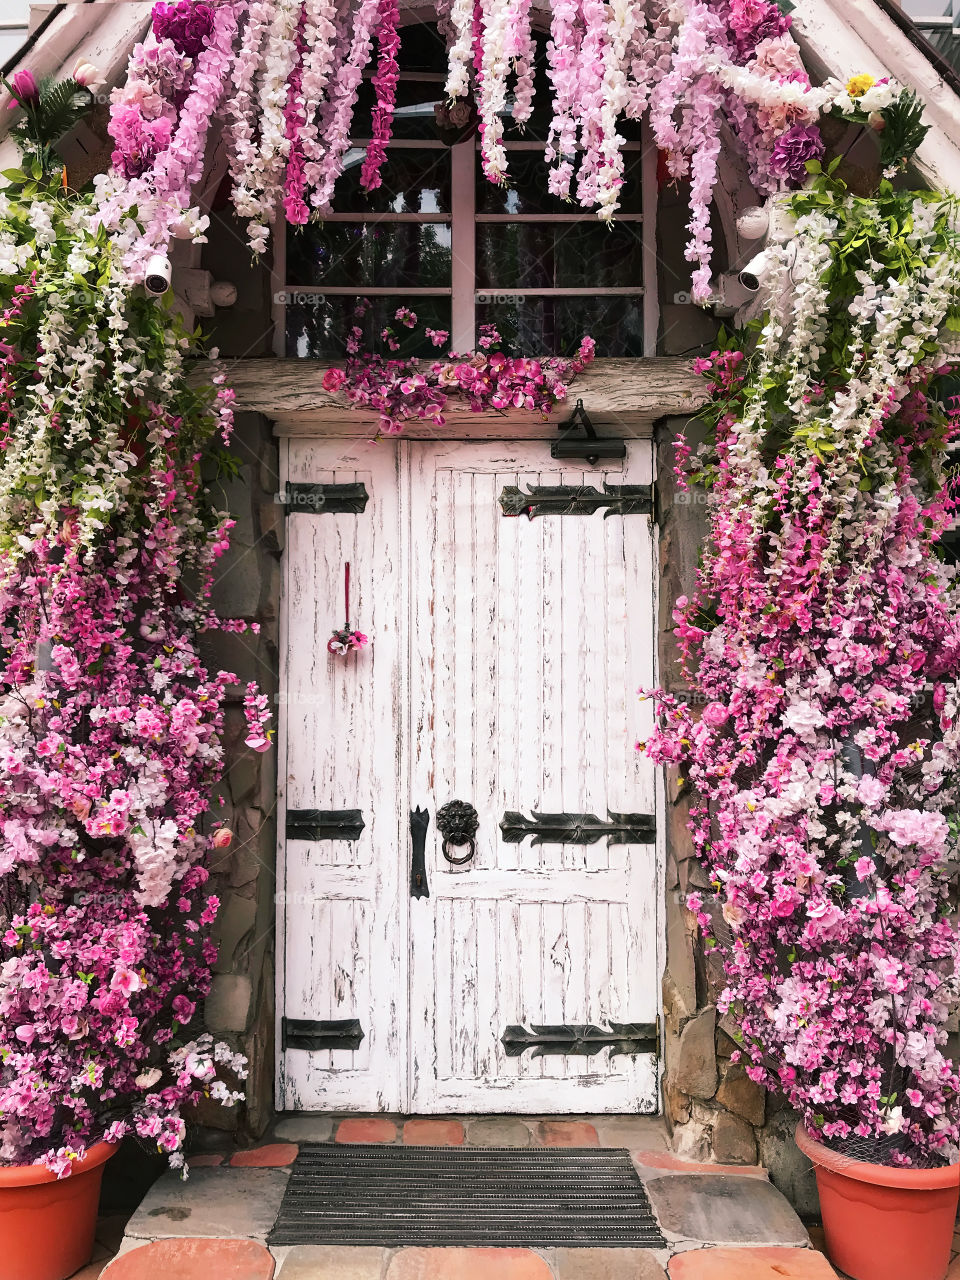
[{"x": 857, "y": 86}]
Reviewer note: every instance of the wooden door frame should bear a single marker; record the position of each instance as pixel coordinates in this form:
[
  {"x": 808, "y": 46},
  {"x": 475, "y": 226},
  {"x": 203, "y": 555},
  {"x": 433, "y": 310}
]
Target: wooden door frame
[{"x": 486, "y": 430}]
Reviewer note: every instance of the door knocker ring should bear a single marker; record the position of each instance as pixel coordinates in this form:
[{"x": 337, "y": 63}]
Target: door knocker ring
[{"x": 457, "y": 822}]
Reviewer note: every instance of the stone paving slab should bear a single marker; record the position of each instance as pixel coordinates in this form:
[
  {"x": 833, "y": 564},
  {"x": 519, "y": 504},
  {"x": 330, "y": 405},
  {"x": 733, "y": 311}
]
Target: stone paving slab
[
  {"x": 498, "y": 1131},
  {"x": 566, "y": 1133},
  {"x": 720, "y": 1209},
  {"x": 366, "y": 1129},
  {"x": 636, "y": 1133},
  {"x": 606, "y": 1264},
  {"x": 751, "y": 1264},
  {"x": 433, "y": 1132},
  {"x": 467, "y": 1264},
  {"x": 305, "y": 1128},
  {"x": 188, "y": 1259},
  {"x": 213, "y": 1203},
  {"x": 654, "y": 1164},
  {"x": 329, "y": 1262},
  {"x": 275, "y": 1155}
]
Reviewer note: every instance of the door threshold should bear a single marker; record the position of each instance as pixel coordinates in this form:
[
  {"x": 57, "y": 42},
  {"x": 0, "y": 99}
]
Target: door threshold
[{"x": 636, "y": 1133}]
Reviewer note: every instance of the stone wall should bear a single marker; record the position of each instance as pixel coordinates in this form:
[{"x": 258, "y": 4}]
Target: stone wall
[
  {"x": 240, "y": 1007},
  {"x": 712, "y": 1109}
]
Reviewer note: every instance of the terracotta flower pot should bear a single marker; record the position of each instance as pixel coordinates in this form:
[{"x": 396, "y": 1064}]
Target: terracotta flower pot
[
  {"x": 884, "y": 1223},
  {"x": 46, "y": 1223}
]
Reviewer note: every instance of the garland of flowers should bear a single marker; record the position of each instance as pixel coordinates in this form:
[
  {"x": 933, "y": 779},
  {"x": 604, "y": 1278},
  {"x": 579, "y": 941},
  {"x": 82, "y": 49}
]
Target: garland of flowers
[
  {"x": 824, "y": 769},
  {"x": 110, "y": 722},
  {"x": 294, "y": 67},
  {"x": 488, "y": 379}
]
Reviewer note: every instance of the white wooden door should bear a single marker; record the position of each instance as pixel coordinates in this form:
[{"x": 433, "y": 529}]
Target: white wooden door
[
  {"x": 530, "y": 638},
  {"x": 341, "y": 910},
  {"x": 503, "y": 672}
]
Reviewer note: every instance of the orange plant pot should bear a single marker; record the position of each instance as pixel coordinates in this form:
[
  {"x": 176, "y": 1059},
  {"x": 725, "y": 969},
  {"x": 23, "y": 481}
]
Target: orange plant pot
[
  {"x": 47, "y": 1223},
  {"x": 883, "y": 1223}
]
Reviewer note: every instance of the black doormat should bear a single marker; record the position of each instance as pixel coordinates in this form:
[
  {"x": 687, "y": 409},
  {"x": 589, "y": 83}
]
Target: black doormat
[{"x": 545, "y": 1197}]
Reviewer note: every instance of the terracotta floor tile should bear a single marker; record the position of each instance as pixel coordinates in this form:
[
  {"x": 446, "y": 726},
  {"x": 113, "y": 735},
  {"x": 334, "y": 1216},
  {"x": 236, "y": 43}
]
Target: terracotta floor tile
[
  {"x": 567, "y": 1133},
  {"x": 433, "y": 1133},
  {"x": 750, "y": 1264},
  {"x": 366, "y": 1129},
  {"x": 275, "y": 1155},
  {"x": 182, "y": 1259},
  {"x": 467, "y": 1264}
]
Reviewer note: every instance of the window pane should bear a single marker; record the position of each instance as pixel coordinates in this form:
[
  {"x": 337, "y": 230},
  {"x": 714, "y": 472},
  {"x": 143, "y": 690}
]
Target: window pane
[
  {"x": 557, "y": 255},
  {"x": 317, "y": 327},
  {"x": 526, "y": 192},
  {"x": 554, "y": 326},
  {"x": 412, "y": 182},
  {"x": 391, "y": 254}
]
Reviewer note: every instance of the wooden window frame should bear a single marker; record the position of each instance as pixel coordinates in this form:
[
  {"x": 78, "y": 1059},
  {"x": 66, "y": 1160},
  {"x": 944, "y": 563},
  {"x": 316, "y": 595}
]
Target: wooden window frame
[{"x": 463, "y": 220}]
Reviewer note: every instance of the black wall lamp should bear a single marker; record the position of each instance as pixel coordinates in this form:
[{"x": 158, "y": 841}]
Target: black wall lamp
[{"x": 580, "y": 440}]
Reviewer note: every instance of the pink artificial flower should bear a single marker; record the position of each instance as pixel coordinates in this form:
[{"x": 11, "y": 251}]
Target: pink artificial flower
[
  {"x": 333, "y": 379},
  {"x": 25, "y": 89},
  {"x": 222, "y": 838},
  {"x": 715, "y": 715}
]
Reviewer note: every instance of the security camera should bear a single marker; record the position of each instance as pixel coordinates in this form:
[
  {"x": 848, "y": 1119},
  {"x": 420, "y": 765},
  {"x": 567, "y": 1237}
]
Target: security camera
[
  {"x": 757, "y": 271},
  {"x": 156, "y": 281},
  {"x": 728, "y": 294}
]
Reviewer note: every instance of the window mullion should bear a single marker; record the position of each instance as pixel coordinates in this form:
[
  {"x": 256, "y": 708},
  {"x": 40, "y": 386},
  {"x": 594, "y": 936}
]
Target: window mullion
[{"x": 464, "y": 245}]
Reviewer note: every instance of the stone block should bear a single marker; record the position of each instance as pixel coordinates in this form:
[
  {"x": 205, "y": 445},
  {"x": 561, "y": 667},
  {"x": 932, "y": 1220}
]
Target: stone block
[
  {"x": 720, "y": 1209},
  {"x": 467, "y": 1264},
  {"x": 227, "y": 1007},
  {"x": 566, "y": 1133},
  {"x": 790, "y": 1170},
  {"x": 751, "y": 1264},
  {"x": 656, "y": 1164},
  {"x": 243, "y": 775},
  {"x": 234, "y": 922},
  {"x": 366, "y": 1129},
  {"x": 636, "y": 1133},
  {"x": 332, "y": 1262},
  {"x": 273, "y": 1155},
  {"x": 696, "y": 1073},
  {"x": 305, "y": 1128},
  {"x": 271, "y": 519},
  {"x": 433, "y": 1132},
  {"x": 498, "y": 1131},
  {"x": 607, "y": 1264},
  {"x": 213, "y": 1203},
  {"x": 733, "y": 1140},
  {"x": 739, "y": 1094},
  {"x": 676, "y": 1102},
  {"x": 191, "y": 1259},
  {"x": 680, "y": 961}
]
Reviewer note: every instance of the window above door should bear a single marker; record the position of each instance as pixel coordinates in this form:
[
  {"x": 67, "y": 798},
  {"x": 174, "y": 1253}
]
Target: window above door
[{"x": 460, "y": 251}]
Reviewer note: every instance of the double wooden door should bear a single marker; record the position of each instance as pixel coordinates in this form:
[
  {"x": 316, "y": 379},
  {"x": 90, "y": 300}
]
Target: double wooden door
[{"x": 505, "y": 658}]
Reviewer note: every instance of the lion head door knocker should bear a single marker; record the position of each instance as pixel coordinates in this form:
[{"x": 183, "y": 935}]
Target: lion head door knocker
[{"x": 457, "y": 822}]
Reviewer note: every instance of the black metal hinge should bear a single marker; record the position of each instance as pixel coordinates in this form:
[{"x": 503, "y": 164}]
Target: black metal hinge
[
  {"x": 324, "y": 824},
  {"x": 303, "y": 1033},
  {"x": 582, "y": 1040},
  {"x": 578, "y": 500},
  {"x": 324, "y": 499},
  {"x": 579, "y": 828}
]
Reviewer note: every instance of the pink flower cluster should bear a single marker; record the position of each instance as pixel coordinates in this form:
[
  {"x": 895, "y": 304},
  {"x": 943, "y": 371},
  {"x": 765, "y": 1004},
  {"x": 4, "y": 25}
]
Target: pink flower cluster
[
  {"x": 822, "y": 778},
  {"x": 294, "y": 70},
  {"x": 489, "y": 379}
]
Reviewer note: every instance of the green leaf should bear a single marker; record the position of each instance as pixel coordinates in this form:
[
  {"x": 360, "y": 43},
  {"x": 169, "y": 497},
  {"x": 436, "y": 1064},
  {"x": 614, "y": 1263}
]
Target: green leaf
[{"x": 14, "y": 175}]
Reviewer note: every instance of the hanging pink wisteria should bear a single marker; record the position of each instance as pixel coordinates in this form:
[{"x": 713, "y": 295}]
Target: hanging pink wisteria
[{"x": 283, "y": 77}]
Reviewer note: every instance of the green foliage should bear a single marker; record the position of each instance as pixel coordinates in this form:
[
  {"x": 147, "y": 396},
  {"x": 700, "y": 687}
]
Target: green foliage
[{"x": 59, "y": 108}]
